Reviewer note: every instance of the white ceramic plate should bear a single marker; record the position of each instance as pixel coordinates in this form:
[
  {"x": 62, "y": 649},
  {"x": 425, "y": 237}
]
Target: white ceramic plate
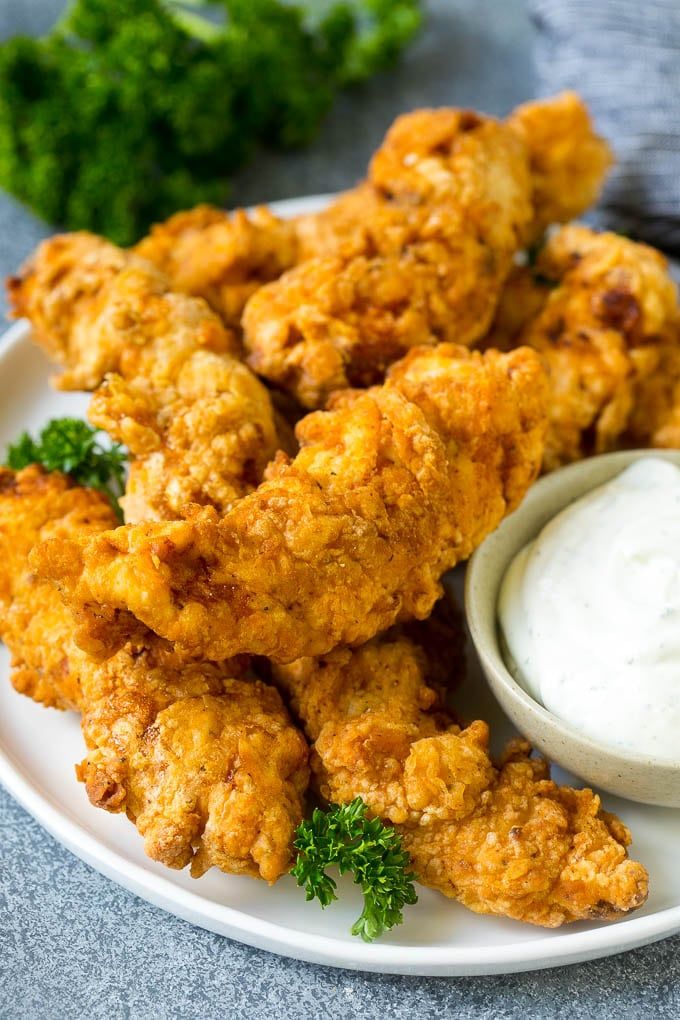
[{"x": 38, "y": 748}]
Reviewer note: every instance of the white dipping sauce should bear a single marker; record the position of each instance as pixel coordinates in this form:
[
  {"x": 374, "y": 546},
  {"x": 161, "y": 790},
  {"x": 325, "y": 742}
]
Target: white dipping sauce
[{"x": 590, "y": 612}]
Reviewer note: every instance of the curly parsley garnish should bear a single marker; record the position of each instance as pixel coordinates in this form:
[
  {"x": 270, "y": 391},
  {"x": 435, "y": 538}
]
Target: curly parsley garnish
[
  {"x": 71, "y": 446},
  {"x": 345, "y": 837}
]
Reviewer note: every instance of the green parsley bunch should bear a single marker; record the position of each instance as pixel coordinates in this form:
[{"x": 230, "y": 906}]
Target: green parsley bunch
[{"x": 131, "y": 109}]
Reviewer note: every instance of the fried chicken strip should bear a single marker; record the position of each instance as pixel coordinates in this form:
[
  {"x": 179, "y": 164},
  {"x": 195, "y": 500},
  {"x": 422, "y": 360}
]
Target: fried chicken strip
[
  {"x": 389, "y": 490},
  {"x": 165, "y": 370},
  {"x": 421, "y": 253},
  {"x": 603, "y": 312},
  {"x": 568, "y": 161},
  {"x": 222, "y": 257},
  {"x": 418, "y": 254},
  {"x": 499, "y": 838},
  {"x": 208, "y": 766}
]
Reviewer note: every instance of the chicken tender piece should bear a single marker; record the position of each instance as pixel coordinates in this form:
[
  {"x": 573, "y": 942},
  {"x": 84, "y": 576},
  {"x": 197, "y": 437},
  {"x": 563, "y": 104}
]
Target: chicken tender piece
[
  {"x": 208, "y": 767},
  {"x": 221, "y": 257},
  {"x": 73, "y": 291},
  {"x": 568, "y": 161},
  {"x": 329, "y": 324},
  {"x": 168, "y": 383},
  {"x": 419, "y": 252},
  {"x": 388, "y": 491},
  {"x": 604, "y": 315},
  {"x": 473, "y": 165},
  {"x": 502, "y": 839},
  {"x": 34, "y": 623},
  {"x": 415, "y": 256}
]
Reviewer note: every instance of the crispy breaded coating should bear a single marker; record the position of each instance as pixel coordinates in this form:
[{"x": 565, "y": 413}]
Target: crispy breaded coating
[
  {"x": 202, "y": 430},
  {"x": 416, "y": 255},
  {"x": 419, "y": 252},
  {"x": 568, "y": 161},
  {"x": 208, "y": 767},
  {"x": 95, "y": 308},
  {"x": 502, "y": 839},
  {"x": 358, "y": 222},
  {"x": 222, "y": 257},
  {"x": 34, "y": 623},
  {"x": 604, "y": 315},
  {"x": 200, "y": 426},
  {"x": 330, "y": 324},
  {"x": 472, "y": 164},
  {"x": 388, "y": 491}
]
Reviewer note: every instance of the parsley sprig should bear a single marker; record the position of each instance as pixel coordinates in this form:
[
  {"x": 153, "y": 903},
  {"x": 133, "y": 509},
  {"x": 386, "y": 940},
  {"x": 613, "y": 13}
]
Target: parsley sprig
[
  {"x": 345, "y": 837},
  {"x": 72, "y": 446}
]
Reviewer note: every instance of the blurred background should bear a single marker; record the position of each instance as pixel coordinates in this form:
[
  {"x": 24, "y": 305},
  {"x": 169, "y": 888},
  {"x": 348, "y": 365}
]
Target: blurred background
[{"x": 468, "y": 53}]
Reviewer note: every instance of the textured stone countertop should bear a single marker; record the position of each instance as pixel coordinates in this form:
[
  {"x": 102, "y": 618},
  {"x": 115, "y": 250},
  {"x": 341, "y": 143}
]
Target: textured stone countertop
[{"x": 74, "y": 945}]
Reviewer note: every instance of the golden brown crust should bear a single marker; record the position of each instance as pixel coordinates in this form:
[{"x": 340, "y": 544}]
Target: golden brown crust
[
  {"x": 168, "y": 384},
  {"x": 473, "y": 165},
  {"x": 568, "y": 161},
  {"x": 388, "y": 491},
  {"x": 604, "y": 316},
  {"x": 330, "y": 323},
  {"x": 34, "y": 623},
  {"x": 416, "y": 255},
  {"x": 419, "y": 252},
  {"x": 209, "y": 767},
  {"x": 221, "y": 257},
  {"x": 502, "y": 839}
]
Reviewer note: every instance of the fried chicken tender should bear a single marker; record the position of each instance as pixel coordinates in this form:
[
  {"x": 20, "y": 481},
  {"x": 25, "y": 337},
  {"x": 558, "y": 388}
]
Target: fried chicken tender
[
  {"x": 567, "y": 164},
  {"x": 419, "y": 252},
  {"x": 389, "y": 490},
  {"x": 208, "y": 766},
  {"x": 221, "y": 257},
  {"x": 603, "y": 312},
  {"x": 472, "y": 164},
  {"x": 168, "y": 382},
  {"x": 33, "y": 621},
  {"x": 355, "y": 318},
  {"x": 415, "y": 256},
  {"x": 568, "y": 161},
  {"x": 501, "y": 839}
]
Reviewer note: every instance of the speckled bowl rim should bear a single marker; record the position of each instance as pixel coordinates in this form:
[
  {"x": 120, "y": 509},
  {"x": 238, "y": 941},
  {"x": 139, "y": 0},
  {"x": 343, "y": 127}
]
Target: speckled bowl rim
[{"x": 557, "y": 491}]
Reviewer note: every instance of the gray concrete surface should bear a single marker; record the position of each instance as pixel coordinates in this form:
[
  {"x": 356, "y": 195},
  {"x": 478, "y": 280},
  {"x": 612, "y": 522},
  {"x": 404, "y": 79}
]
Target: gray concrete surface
[{"x": 72, "y": 944}]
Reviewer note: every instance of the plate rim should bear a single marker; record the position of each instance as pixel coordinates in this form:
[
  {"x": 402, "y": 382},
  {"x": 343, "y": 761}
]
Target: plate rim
[{"x": 447, "y": 961}]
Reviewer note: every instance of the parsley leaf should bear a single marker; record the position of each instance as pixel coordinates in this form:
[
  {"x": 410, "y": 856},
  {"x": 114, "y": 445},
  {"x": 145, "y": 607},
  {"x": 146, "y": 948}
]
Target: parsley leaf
[
  {"x": 71, "y": 445},
  {"x": 345, "y": 837}
]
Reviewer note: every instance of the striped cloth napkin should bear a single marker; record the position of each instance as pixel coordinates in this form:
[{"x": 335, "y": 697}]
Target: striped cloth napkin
[{"x": 623, "y": 57}]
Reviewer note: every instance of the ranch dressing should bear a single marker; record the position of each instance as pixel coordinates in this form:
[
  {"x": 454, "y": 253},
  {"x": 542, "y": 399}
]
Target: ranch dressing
[{"x": 590, "y": 612}]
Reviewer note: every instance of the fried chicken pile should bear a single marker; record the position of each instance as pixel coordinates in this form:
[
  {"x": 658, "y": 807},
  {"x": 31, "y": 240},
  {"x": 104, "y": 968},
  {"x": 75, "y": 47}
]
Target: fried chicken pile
[
  {"x": 500, "y": 838},
  {"x": 419, "y": 253},
  {"x": 391, "y": 487},
  {"x": 165, "y": 371},
  {"x": 208, "y": 766},
  {"x": 257, "y": 568}
]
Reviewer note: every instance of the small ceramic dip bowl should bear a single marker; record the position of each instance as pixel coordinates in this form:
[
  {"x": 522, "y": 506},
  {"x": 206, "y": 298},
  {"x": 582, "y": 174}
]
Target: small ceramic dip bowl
[{"x": 632, "y": 775}]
